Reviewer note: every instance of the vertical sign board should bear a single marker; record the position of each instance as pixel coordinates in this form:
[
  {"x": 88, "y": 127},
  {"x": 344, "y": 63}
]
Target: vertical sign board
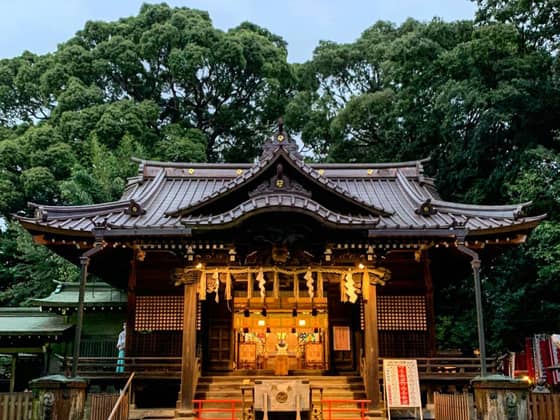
[{"x": 402, "y": 387}]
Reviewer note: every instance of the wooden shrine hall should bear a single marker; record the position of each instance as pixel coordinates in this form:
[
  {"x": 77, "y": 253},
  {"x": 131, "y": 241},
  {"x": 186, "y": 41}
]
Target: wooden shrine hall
[{"x": 278, "y": 266}]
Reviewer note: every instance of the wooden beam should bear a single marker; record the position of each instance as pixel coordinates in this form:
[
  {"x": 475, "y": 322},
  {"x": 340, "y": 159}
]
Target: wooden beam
[
  {"x": 430, "y": 309},
  {"x": 185, "y": 405},
  {"x": 11, "y": 350},
  {"x": 371, "y": 351},
  {"x": 131, "y": 307}
]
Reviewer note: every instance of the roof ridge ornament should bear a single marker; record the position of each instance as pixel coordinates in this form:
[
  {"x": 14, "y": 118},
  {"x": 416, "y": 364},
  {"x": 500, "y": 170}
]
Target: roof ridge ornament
[
  {"x": 426, "y": 208},
  {"x": 281, "y": 139},
  {"x": 279, "y": 183}
]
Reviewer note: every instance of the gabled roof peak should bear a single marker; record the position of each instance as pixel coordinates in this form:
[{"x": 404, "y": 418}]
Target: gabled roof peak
[{"x": 280, "y": 140}]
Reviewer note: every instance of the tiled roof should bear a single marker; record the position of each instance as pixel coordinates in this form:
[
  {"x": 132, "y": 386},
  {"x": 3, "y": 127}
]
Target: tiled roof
[
  {"x": 276, "y": 201},
  {"x": 31, "y": 322},
  {"x": 171, "y": 198},
  {"x": 98, "y": 294}
]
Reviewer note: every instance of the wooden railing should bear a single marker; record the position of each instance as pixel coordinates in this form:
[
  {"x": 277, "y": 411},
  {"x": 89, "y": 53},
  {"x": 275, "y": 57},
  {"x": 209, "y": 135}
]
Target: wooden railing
[
  {"x": 95, "y": 367},
  {"x": 121, "y": 407},
  {"x": 232, "y": 409},
  {"x": 448, "y": 368},
  {"x": 97, "y": 346},
  {"x": 349, "y": 409},
  {"x": 429, "y": 368},
  {"x": 102, "y": 405},
  {"x": 16, "y": 405}
]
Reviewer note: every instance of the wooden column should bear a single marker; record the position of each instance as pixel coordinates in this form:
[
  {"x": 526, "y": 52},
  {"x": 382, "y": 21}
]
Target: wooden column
[
  {"x": 188, "y": 373},
  {"x": 371, "y": 351},
  {"x": 430, "y": 311},
  {"x": 13, "y": 372},
  {"x": 130, "y": 344}
]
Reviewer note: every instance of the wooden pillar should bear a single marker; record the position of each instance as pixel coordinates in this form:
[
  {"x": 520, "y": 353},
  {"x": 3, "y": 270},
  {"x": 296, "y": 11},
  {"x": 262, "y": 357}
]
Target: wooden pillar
[
  {"x": 130, "y": 342},
  {"x": 13, "y": 372},
  {"x": 188, "y": 367},
  {"x": 371, "y": 351},
  {"x": 430, "y": 311}
]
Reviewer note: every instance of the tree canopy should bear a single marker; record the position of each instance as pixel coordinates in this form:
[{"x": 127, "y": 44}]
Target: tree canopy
[{"x": 480, "y": 98}]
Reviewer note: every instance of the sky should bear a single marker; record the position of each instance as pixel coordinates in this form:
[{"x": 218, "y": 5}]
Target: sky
[{"x": 40, "y": 25}]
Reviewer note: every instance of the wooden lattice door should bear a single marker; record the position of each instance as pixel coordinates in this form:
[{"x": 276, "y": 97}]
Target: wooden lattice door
[{"x": 219, "y": 345}]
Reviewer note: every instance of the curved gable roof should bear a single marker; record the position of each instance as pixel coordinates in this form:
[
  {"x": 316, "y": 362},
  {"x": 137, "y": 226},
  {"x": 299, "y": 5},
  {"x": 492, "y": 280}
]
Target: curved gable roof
[
  {"x": 171, "y": 198},
  {"x": 264, "y": 164}
]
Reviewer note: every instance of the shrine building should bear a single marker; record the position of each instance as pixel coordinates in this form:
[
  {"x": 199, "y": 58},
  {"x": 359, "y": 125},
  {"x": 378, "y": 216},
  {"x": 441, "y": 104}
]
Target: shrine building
[{"x": 227, "y": 265}]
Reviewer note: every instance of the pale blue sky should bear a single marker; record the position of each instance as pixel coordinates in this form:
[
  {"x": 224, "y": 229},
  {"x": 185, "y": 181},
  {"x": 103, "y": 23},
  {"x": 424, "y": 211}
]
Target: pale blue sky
[{"x": 39, "y": 25}]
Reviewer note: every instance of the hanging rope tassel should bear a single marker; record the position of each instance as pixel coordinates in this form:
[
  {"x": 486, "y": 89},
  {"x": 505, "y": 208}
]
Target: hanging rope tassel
[
  {"x": 228, "y": 285},
  {"x": 216, "y": 278},
  {"x": 309, "y": 282},
  {"x": 350, "y": 288},
  {"x": 262, "y": 282},
  {"x": 320, "y": 284}
]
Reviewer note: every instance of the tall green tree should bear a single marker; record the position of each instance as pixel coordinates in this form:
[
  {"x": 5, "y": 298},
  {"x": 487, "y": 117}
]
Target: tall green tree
[
  {"x": 481, "y": 101},
  {"x": 165, "y": 84},
  {"x": 538, "y": 21}
]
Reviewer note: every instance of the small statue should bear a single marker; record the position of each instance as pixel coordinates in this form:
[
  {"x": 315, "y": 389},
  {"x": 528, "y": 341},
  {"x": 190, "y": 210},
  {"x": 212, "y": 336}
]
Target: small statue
[{"x": 540, "y": 387}]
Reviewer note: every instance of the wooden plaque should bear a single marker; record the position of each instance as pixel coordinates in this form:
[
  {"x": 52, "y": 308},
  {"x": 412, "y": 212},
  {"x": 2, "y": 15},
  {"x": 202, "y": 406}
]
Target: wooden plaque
[
  {"x": 341, "y": 338},
  {"x": 314, "y": 355},
  {"x": 248, "y": 354}
]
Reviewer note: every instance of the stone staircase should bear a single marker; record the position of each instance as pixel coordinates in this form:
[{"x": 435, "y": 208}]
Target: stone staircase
[
  {"x": 230, "y": 388},
  {"x": 333, "y": 388}
]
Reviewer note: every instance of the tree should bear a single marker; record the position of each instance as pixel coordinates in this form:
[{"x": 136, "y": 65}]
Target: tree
[
  {"x": 537, "y": 20},
  {"x": 481, "y": 102},
  {"x": 28, "y": 270},
  {"x": 164, "y": 84}
]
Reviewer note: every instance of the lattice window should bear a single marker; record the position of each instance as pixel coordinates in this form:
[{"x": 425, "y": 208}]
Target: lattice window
[
  {"x": 159, "y": 313},
  {"x": 401, "y": 313}
]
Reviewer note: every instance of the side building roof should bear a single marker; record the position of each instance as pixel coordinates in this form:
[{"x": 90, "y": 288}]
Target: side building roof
[
  {"x": 98, "y": 296},
  {"x": 25, "y": 327}
]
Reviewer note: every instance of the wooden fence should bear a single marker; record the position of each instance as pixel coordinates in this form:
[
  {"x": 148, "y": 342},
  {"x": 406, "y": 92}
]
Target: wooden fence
[
  {"x": 101, "y": 405},
  {"x": 544, "y": 406},
  {"x": 16, "y": 406},
  {"x": 453, "y": 406}
]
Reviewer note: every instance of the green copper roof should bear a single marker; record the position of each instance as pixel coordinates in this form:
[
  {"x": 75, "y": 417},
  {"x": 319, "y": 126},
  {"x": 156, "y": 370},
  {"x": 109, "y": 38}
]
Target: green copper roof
[
  {"x": 27, "y": 322},
  {"x": 97, "y": 294}
]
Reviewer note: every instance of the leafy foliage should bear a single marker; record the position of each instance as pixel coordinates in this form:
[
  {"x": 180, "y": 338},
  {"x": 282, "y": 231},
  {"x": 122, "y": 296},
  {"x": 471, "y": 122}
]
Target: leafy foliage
[
  {"x": 164, "y": 84},
  {"x": 482, "y": 101},
  {"x": 481, "y": 98},
  {"x": 28, "y": 270}
]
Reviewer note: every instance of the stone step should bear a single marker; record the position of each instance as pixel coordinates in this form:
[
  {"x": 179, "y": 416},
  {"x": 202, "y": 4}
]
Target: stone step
[
  {"x": 151, "y": 413},
  {"x": 334, "y": 387},
  {"x": 315, "y": 378}
]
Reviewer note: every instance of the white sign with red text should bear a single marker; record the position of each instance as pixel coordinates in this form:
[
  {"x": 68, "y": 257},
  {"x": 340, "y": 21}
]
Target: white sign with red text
[{"x": 402, "y": 387}]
